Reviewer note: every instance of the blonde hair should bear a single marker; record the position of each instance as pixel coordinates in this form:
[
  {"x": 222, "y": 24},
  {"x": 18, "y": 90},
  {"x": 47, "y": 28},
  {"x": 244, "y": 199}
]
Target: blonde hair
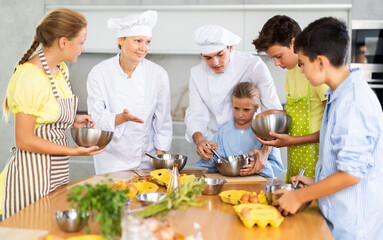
[
  {"x": 247, "y": 90},
  {"x": 59, "y": 22}
]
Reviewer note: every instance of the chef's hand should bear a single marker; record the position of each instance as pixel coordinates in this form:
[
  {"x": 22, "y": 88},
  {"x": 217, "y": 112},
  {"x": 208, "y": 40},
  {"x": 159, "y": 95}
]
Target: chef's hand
[
  {"x": 129, "y": 117},
  {"x": 288, "y": 202},
  {"x": 204, "y": 151},
  {"x": 80, "y": 121},
  {"x": 257, "y": 166},
  {"x": 282, "y": 140},
  {"x": 303, "y": 181},
  {"x": 159, "y": 152},
  {"x": 247, "y": 169},
  {"x": 87, "y": 151}
]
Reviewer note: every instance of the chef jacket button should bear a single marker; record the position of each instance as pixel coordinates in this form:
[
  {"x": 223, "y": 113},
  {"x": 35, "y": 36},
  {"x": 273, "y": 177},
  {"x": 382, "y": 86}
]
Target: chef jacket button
[
  {"x": 240, "y": 152},
  {"x": 242, "y": 131}
]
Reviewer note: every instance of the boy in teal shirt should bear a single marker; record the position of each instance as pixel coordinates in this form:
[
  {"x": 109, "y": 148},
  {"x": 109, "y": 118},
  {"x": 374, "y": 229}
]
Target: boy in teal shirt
[{"x": 349, "y": 172}]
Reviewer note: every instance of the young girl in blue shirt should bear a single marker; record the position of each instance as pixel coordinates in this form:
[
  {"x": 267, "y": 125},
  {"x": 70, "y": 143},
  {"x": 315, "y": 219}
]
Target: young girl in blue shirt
[{"x": 236, "y": 136}]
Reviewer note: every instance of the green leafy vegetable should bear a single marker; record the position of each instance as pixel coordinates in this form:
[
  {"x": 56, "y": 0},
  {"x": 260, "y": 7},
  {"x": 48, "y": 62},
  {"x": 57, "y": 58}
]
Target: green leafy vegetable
[
  {"x": 106, "y": 199},
  {"x": 184, "y": 196}
]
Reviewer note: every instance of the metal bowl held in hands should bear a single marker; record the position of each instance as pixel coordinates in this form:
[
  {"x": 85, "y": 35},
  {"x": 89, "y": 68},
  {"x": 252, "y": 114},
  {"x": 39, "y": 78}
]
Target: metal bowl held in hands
[
  {"x": 213, "y": 185},
  {"x": 150, "y": 197},
  {"x": 277, "y": 122},
  {"x": 232, "y": 166},
  {"x": 167, "y": 160},
  {"x": 272, "y": 197},
  {"x": 67, "y": 221},
  {"x": 88, "y": 137}
]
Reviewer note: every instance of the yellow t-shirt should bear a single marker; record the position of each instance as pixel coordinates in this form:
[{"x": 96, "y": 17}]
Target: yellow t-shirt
[
  {"x": 296, "y": 85},
  {"x": 30, "y": 91}
]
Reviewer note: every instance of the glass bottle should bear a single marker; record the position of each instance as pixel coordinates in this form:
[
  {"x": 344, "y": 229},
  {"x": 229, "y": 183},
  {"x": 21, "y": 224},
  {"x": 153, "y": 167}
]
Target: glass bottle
[{"x": 174, "y": 180}]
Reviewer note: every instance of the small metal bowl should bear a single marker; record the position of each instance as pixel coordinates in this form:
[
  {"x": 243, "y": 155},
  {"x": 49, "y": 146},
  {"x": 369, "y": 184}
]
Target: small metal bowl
[
  {"x": 232, "y": 166},
  {"x": 272, "y": 197},
  {"x": 167, "y": 160},
  {"x": 277, "y": 122},
  {"x": 67, "y": 221},
  {"x": 149, "y": 197},
  {"x": 88, "y": 137},
  {"x": 213, "y": 185}
]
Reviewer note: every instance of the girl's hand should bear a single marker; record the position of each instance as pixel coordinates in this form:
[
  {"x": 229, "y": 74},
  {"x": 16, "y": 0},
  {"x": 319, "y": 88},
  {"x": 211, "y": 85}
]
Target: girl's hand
[
  {"x": 248, "y": 169},
  {"x": 288, "y": 202},
  {"x": 81, "y": 121},
  {"x": 303, "y": 181},
  {"x": 87, "y": 151},
  {"x": 282, "y": 140}
]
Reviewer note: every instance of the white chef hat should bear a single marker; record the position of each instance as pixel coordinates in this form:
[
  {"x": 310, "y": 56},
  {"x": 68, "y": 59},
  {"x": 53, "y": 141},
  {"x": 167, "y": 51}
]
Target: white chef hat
[
  {"x": 212, "y": 38},
  {"x": 134, "y": 24}
]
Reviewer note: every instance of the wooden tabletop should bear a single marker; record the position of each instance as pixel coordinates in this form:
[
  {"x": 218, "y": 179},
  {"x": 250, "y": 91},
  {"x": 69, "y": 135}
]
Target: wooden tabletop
[{"x": 217, "y": 219}]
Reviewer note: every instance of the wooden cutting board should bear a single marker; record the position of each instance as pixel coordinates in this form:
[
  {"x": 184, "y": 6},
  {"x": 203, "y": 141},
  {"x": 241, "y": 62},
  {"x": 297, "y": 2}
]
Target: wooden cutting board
[
  {"x": 21, "y": 234},
  {"x": 128, "y": 175},
  {"x": 245, "y": 179}
]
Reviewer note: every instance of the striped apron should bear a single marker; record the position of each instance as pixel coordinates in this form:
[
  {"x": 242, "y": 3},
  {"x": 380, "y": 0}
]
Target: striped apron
[{"x": 30, "y": 176}]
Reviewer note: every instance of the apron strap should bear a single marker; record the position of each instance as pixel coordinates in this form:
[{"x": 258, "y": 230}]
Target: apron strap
[{"x": 48, "y": 72}]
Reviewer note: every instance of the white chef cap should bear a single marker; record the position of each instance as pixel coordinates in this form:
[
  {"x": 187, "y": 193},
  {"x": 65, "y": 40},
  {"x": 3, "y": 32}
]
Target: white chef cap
[
  {"x": 212, "y": 38},
  {"x": 134, "y": 24}
]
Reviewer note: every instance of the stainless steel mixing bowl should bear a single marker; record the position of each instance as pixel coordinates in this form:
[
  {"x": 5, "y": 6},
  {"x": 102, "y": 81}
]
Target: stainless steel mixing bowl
[
  {"x": 167, "y": 160},
  {"x": 150, "y": 197},
  {"x": 88, "y": 137},
  {"x": 67, "y": 221},
  {"x": 277, "y": 122},
  {"x": 213, "y": 185},
  {"x": 232, "y": 166},
  {"x": 269, "y": 189}
]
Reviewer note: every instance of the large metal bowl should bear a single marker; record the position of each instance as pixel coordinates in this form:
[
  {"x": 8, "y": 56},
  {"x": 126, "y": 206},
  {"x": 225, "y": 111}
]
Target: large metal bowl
[
  {"x": 67, "y": 221},
  {"x": 277, "y": 122},
  {"x": 167, "y": 160},
  {"x": 232, "y": 166},
  {"x": 88, "y": 137},
  {"x": 272, "y": 197}
]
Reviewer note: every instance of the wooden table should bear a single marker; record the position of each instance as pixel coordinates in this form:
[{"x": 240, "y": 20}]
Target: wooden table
[{"x": 218, "y": 220}]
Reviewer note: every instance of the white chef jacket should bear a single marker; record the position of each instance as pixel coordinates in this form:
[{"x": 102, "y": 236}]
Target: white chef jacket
[
  {"x": 146, "y": 95},
  {"x": 210, "y": 104}
]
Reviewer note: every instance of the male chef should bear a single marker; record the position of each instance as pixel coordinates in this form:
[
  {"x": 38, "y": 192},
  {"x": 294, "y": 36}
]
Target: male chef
[{"x": 213, "y": 80}]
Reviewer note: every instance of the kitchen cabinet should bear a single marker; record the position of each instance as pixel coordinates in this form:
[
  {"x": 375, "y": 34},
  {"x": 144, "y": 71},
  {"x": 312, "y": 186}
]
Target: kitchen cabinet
[{"x": 176, "y": 23}]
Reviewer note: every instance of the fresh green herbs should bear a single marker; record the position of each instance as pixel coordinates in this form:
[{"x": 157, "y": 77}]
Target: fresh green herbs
[
  {"x": 186, "y": 195},
  {"x": 104, "y": 198}
]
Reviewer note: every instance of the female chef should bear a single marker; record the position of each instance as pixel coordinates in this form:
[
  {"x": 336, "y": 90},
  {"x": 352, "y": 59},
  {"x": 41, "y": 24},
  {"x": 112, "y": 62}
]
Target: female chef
[
  {"x": 130, "y": 95},
  {"x": 40, "y": 97}
]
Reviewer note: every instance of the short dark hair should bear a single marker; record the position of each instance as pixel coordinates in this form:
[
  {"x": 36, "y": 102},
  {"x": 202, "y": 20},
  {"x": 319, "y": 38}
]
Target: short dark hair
[
  {"x": 326, "y": 36},
  {"x": 280, "y": 30}
]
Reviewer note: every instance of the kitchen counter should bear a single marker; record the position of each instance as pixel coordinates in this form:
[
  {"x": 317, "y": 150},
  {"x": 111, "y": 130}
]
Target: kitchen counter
[{"x": 216, "y": 218}]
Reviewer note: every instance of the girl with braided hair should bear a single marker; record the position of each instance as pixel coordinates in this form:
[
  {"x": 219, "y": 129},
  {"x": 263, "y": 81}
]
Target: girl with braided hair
[{"x": 40, "y": 97}]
